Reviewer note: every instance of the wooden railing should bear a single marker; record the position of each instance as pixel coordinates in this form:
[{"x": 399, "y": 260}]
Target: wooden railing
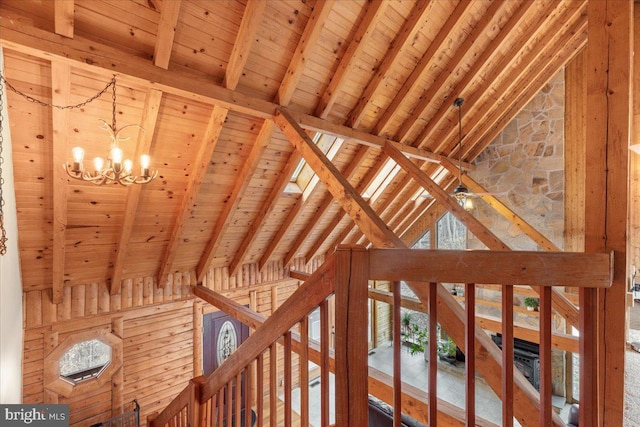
[{"x": 209, "y": 401}]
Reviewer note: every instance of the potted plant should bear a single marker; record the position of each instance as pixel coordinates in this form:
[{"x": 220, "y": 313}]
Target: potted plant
[
  {"x": 447, "y": 350},
  {"x": 420, "y": 341},
  {"x": 531, "y": 303}
]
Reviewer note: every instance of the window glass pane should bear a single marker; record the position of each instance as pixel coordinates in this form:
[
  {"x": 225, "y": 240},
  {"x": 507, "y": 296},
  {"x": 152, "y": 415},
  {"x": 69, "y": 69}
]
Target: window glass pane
[
  {"x": 85, "y": 360},
  {"x": 452, "y": 234}
]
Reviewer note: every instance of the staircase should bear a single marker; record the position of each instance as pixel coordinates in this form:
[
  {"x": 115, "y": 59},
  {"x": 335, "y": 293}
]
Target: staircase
[{"x": 211, "y": 401}]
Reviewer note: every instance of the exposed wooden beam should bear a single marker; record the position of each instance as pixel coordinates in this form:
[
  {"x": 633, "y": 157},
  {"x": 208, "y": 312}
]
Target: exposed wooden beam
[
  {"x": 244, "y": 40},
  {"x": 64, "y": 17},
  {"x": 430, "y": 93},
  {"x": 60, "y": 95},
  {"x": 303, "y": 51},
  {"x": 416, "y": 18},
  {"x": 148, "y": 123},
  {"x": 375, "y": 9},
  {"x": 423, "y": 64},
  {"x": 170, "y": 11},
  {"x": 483, "y": 60},
  {"x": 471, "y": 222},
  {"x": 609, "y": 121},
  {"x": 200, "y": 166},
  {"x": 265, "y": 210},
  {"x": 231, "y": 203},
  {"x": 450, "y": 313}
]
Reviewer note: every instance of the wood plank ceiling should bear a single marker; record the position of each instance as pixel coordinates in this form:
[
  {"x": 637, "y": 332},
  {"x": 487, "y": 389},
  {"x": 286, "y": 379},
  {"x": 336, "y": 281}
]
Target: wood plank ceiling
[{"x": 204, "y": 79}]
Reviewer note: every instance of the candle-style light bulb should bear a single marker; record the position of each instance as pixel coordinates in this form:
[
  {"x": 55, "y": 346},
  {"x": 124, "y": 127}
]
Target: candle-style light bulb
[
  {"x": 116, "y": 155},
  {"x": 145, "y": 160},
  {"x": 128, "y": 165},
  {"x": 98, "y": 163},
  {"x": 78, "y": 157}
]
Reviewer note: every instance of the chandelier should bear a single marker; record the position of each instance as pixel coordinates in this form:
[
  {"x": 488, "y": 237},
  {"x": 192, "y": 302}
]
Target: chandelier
[{"x": 116, "y": 169}]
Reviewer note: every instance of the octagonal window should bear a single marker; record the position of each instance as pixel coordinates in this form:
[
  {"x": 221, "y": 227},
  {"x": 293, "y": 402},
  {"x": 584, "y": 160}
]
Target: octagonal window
[{"x": 85, "y": 360}]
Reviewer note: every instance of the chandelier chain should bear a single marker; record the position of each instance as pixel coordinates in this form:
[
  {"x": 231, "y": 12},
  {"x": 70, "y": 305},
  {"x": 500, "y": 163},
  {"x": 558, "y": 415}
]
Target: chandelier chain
[
  {"x": 3, "y": 232},
  {"x": 113, "y": 97},
  {"x": 60, "y": 107}
]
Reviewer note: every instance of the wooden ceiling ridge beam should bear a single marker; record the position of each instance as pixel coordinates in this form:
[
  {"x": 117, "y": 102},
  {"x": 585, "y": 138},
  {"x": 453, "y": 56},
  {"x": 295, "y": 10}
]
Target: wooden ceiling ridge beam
[
  {"x": 560, "y": 303},
  {"x": 198, "y": 172},
  {"x": 450, "y": 314},
  {"x": 244, "y": 40},
  {"x": 408, "y": 31},
  {"x": 170, "y": 11},
  {"x": 64, "y": 17},
  {"x": 519, "y": 80},
  {"x": 533, "y": 80},
  {"x": 483, "y": 61},
  {"x": 60, "y": 95},
  {"x": 374, "y": 12},
  {"x": 423, "y": 64},
  {"x": 232, "y": 201},
  {"x": 303, "y": 51},
  {"x": 148, "y": 122},
  {"x": 265, "y": 210},
  {"x": 449, "y": 69}
]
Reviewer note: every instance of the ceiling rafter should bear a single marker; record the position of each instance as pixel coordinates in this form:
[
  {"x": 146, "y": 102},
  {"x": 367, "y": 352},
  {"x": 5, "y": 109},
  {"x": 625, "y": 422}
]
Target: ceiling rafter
[
  {"x": 517, "y": 81},
  {"x": 64, "y": 17},
  {"x": 379, "y": 233},
  {"x": 244, "y": 40},
  {"x": 375, "y": 10},
  {"x": 60, "y": 95},
  {"x": 233, "y": 200},
  {"x": 148, "y": 123},
  {"x": 423, "y": 64},
  {"x": 514, "y": 24},
  {"x": 200, "y": 166},
  {"x": 448, "y": 70},
  {"x": 166, "y": 32},
  {"x": 307, "y": 42},
  {"x": 407, "y": 33},
  {"x": 265, "y": 210}
]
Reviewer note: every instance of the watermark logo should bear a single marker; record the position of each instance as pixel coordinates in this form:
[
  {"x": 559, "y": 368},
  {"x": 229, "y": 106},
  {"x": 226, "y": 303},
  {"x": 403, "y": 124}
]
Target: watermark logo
[{"x": 34, "y": 415}]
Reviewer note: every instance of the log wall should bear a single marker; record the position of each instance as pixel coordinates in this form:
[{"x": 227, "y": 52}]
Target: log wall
[{"x": 160, "y": 328}]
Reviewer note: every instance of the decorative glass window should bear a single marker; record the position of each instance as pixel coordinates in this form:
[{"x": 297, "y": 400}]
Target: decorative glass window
[{"x": 84, "y": 360}]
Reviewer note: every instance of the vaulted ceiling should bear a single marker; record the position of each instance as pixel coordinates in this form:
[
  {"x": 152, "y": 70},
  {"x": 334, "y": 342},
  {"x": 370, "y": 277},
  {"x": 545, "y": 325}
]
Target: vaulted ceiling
[{"x": 204, "y": 79}]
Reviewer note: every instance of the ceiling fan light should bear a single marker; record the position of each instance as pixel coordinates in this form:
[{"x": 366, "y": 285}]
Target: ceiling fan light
[{"x": 468, "y": 204}]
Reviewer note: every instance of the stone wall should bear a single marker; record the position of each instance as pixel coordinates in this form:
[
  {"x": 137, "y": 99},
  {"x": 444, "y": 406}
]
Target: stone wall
[{"x": 524, "y": 167}]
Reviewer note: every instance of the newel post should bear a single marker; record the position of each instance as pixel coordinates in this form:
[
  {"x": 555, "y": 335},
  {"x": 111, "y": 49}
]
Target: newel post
[
  {"x": 195, "y": 387},
  {"x": 351, "y": 323}
]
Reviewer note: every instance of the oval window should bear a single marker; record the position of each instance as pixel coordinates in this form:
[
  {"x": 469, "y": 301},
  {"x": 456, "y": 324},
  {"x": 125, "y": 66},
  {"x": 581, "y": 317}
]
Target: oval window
[{"x": 85, "y": 360}]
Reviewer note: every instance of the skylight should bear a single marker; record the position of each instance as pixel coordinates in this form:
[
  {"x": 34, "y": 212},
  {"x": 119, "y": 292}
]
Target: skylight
[{"x": 381, "y": 181}]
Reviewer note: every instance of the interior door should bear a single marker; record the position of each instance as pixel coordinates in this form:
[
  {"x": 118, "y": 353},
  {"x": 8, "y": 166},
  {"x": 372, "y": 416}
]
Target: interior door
[{"x": 222, "y": 334}]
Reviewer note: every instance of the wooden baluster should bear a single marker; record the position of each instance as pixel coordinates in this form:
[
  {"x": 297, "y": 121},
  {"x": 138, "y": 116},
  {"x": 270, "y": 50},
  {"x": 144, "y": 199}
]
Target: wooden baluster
[
  {"x": 238, "y": 398},
  {"x": 248, "y": 394},
  {"x": 304, "y": 372},
  {"x": 324, "y": 368},
  {"x": 545, "y": 356},
  {"x": 433, "y": 354},
  {"x": 287, "y": 379},
  {"x": 229, "y": 401},
  {"x": 507, "y": 356},
  {"x": 260, "y": 387},
  {"x": 470, "y": 359},
  {"x": 397, "y": 371},
  {"x": 273, "y": 385},
  {"x": 221, "y": 407}
]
